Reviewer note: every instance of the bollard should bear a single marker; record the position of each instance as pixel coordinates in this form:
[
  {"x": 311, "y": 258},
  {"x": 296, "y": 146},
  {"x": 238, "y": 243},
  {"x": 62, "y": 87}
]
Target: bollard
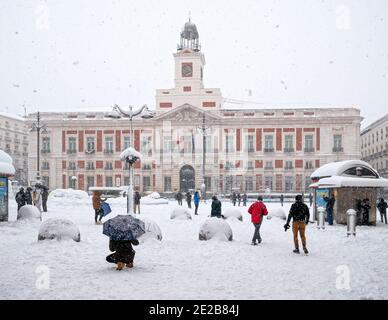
[
  {"x": 321, "y": 218},
  {"x": 352, "y": 215}
]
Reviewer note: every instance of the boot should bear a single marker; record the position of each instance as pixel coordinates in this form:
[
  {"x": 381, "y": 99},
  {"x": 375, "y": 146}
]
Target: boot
[
  {"x": 305, "y": 250},
  {"x": 120, "y": 265},
  {"x": 296, "y": 250},
  {"x": 130, "y": 265}
]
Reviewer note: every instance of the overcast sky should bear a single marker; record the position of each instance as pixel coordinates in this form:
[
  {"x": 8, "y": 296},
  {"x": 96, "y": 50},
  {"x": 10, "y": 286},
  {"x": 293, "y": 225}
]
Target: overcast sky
[{"x": 89, "y": 54}]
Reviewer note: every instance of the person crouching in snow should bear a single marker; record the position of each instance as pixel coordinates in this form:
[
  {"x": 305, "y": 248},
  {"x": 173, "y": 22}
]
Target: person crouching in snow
[
  {"x": 300, "y": 214},
  {"x": 257, "y": 211},
  {"x": 124, "y": 253}
]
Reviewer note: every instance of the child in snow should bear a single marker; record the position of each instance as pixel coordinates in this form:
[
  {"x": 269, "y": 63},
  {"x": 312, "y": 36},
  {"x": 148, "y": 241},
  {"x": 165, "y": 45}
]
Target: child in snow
[{"x": 124, "y": 253}]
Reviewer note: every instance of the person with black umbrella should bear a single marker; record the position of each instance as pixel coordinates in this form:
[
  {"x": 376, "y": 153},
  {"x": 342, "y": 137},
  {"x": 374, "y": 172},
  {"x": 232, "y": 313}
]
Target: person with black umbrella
[{"x": 123, "y": 231}]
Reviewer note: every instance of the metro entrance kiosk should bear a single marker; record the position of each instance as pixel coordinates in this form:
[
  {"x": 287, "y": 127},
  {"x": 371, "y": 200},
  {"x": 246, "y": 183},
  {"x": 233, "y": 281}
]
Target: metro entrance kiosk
[{"x": 6, "y": 170}]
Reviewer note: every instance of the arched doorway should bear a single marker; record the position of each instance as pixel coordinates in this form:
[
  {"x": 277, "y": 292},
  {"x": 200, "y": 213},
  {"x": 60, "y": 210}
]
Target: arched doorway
[{"x": 187, "y": 178}]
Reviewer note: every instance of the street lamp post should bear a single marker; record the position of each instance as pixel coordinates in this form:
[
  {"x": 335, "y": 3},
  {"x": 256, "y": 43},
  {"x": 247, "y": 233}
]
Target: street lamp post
[
  {"x": 204, "y": 131},
  {"x": 38, "y": 127},
  {"x": 117, "y": 113}
]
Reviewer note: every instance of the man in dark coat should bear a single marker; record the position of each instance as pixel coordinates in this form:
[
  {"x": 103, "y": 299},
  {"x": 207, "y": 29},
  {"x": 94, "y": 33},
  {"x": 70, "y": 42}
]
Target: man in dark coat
[
  {"x": 329, "y": 208},
  {"x": 179, "y": 197},
  {"x": 124, "y": 253},
  {"x": 216, "y": 207},
  {"x": 44, "y": 199},
  {"x": 238, "y": 198},
  {"x": 136, "y": 201},
  {"x": 300, "y": 214},
  {"x": 281, "y": 199},
  {"x": 28, "y": 195},
  {"x": 20, "y": 198},
  {"x": 234, "y": 198},
  {"x": 244, "y": 198},
  {"x": 188, "y": 199},
  {"x": 382, "y": 206}
]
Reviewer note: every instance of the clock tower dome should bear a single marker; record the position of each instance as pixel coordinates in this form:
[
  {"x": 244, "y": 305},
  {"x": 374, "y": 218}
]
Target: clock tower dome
[
  {"x": 189, "y": 66},
  {"x": 189, "y": 60}
]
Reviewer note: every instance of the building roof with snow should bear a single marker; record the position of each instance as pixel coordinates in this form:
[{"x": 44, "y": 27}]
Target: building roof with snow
[
  {"x": 6, "y": 167},
  {"x": 348, "y": 173}
]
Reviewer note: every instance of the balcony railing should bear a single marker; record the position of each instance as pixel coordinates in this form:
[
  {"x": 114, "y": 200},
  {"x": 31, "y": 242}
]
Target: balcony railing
[
  {"x": 288, "y": 150},
  {"x": 269, "y": 149},
  {"x": 45, "y": 151},
  {"x": 268, "y": 168},
  {"x": 288, "y": 168},
  {"x": 108, "y": 168},
  {"x": 90, "y": 168},
  {"x": 71, "y": 151},
  {"x": 338, "y": 149},
  {"x": 108, "y": 151},
  {"x": 309, "y": 149}
]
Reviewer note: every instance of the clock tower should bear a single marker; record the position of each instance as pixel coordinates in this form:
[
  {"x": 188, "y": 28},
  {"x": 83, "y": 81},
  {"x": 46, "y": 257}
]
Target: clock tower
[
  {"x": 189, "y": 70},
  {"x": 189, "y": 60}
]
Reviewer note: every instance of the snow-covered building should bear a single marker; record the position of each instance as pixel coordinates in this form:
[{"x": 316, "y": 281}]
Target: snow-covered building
[
  {"x": 246, "y": 148},
  {"x": 350, "y": 182},
  {"x": 374, "y": 145},
  {"x": 14, "y": 141}
]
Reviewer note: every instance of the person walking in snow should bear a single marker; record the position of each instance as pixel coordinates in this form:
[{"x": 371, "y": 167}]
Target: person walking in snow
[
  {"x": 216, "y": 207},
  {"x": 196, "y": 202},
  {"x": 257, "y": 210},
  {"x": 124, "y": 253},
  {"x": 238, "y": 198},
  {"x": 382, "y": 206},
  {"x": 281, "y": 199},
  {"x": 136, "y": 202},
  {"x": 188, "y": 199},
  {"x": 244, "y": 198},
  {"x": 300, "y": 214},
  {"x": 44, "y": 199},
  {"x": 97, "y": 200},
  {"x": 28, "y": 195},
  {"x": 311, "y": 199},
  {"x": 179, "y": 197},
  {"x": 329, "y": 208},
  {"x": 234, "y": 198}
]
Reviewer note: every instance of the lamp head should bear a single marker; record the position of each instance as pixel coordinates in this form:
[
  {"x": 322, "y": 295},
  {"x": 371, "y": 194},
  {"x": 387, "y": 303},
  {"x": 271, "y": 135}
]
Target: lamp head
[
  {"x": 114, "y": 114},
  {"x": 147, "y": 113}
]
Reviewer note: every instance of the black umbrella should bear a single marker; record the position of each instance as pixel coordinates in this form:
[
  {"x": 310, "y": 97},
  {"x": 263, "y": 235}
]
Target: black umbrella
[{"x": 123, "y": 227}]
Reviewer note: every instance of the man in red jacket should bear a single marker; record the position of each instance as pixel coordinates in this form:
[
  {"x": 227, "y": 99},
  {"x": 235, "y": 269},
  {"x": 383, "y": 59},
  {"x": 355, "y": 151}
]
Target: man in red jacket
[{"x": 257, "y": 210}]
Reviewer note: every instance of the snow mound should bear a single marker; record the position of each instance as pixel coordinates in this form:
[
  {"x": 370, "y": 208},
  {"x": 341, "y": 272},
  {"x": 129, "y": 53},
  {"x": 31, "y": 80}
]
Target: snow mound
[
  {"x": 154, "y": 195},
  {"x": 151, "y": 201},
  {"x": 233, "y": 213},
  {"x": 69, "y": 194},
  {"x": 217, "y": 229},
  {"x": 60, "y": 229},
  {"x": 28, "y": 212},
  {"x": 278, "y": 213},
  {"x": 152, "y": 230},
  {"x": 180, "y": 214}
]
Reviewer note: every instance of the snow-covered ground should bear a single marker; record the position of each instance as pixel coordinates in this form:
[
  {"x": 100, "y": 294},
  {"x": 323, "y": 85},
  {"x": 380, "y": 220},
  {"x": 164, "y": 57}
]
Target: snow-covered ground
[{"x": 182, "y": 267}]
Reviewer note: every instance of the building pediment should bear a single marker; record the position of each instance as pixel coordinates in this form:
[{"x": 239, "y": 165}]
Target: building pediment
[{"x": 187, "y": 113}]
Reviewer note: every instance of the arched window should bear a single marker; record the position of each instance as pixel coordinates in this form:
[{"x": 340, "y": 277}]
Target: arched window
[{"x": 360, "y": 172}]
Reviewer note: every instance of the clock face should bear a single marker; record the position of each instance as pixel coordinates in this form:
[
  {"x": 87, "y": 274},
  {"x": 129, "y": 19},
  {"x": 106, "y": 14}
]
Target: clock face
[{"x": 187, "y": 69}]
